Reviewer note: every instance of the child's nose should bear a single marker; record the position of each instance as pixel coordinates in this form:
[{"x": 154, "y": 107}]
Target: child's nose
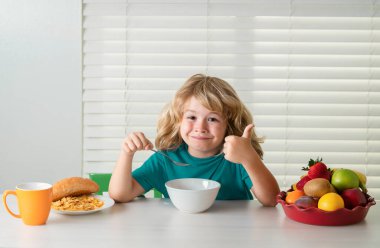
[{"x": 201, "y": 126}]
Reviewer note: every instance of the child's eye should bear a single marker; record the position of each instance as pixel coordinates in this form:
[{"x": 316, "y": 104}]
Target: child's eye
[
  {"x": 212, "y": 119},
  {"x": 190, "y": 117}
]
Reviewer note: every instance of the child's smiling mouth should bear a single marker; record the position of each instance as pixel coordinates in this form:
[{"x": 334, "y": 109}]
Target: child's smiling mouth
[{"x": 201, "y": 137}]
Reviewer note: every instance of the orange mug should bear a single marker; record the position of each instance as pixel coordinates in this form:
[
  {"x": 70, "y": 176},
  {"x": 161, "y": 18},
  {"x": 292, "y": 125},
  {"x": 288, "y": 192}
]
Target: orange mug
[{"x": 34, "y": 202}]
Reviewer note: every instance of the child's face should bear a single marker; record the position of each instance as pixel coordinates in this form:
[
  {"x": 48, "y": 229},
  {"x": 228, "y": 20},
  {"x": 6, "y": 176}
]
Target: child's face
[{"x": 203, "y": 130}]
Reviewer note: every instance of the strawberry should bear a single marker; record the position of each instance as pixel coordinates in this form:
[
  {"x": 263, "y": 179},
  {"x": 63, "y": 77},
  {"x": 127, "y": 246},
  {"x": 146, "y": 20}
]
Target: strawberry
[
  {"x": 326, "y": 175},
  {"x": 302, "y": 182},
  {"x": 317, "y": 169}
]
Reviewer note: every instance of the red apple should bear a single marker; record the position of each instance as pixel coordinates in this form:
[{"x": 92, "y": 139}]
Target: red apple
[{"x": 353, "y": 197}]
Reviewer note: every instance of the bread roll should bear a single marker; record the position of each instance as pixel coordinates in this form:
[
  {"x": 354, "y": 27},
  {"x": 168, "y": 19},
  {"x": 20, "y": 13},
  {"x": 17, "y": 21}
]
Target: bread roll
[{"x": 73, "y": 186}]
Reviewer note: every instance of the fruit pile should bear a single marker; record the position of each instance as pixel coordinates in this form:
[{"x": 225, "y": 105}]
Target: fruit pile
[{"x": 328, "y": 189}]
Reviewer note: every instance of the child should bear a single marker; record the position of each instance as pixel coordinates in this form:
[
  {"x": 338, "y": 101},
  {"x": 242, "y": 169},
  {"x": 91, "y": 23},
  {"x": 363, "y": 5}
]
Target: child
[{"x": 206, "y": 117}]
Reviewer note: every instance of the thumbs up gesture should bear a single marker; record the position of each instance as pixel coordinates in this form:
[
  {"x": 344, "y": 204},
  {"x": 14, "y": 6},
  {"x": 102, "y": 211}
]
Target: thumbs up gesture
[
  {"x": 247, "y": 132},
  {"x": 238, "y": 149}
]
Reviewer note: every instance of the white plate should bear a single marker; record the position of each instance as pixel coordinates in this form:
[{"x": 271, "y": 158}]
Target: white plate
[{"x": 108, "y": 202}]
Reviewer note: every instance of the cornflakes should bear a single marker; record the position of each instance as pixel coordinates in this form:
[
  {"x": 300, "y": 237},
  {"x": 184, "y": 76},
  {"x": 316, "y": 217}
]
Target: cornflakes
[{"x": 77, "y": 203}]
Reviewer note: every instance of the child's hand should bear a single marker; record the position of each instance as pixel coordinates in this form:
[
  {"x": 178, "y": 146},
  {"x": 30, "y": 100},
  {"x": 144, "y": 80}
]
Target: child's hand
[
  {"x": 136, "y": 142},
  {"x": 239, "y": 149}
]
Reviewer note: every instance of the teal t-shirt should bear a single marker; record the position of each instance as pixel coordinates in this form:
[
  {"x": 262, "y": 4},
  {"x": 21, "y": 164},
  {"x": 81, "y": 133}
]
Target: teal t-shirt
[{"x": 157, "y": 170}]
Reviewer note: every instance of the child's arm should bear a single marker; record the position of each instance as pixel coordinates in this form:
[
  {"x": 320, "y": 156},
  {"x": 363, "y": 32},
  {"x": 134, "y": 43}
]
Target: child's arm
[
  {"x": 123, "y": 187},
  {"x": 239, "y": 150}
]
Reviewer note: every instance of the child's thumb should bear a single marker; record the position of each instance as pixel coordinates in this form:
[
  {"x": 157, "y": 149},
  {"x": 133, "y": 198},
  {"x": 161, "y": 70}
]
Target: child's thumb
[{"x": 247, "y": 131}]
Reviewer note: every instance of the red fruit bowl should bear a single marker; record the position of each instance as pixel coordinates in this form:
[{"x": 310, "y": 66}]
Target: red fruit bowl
[{"x": 316, "y": 216}]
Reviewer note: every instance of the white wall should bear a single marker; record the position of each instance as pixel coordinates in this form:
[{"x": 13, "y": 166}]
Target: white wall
[{"x": 40, "y": 90}]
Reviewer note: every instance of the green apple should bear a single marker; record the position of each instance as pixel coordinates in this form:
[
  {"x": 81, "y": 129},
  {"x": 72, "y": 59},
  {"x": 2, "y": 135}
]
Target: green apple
[{"x": 344, "y": 179}]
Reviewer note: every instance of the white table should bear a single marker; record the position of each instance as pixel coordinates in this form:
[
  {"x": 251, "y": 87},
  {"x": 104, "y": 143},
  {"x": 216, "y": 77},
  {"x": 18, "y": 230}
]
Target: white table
[{"x": 156, "y": 223}]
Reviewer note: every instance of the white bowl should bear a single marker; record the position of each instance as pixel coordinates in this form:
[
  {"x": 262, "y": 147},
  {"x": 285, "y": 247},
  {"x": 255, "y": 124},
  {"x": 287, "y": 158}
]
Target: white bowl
[{"x": 192, "y": 195}]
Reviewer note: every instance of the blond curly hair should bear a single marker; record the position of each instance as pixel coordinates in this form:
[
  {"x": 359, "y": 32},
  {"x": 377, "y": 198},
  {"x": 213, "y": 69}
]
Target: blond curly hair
[{"x": 214, "y": 94}]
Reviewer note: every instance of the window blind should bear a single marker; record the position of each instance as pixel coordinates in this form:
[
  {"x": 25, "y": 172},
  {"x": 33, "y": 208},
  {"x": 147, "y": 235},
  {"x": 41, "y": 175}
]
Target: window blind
[{"x": 307, "y": 69}]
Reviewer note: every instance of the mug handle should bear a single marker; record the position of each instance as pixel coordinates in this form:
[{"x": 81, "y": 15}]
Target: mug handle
[{"x": 5, "y": 194}]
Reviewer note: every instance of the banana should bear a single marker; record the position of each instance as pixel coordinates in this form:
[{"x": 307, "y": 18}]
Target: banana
[
  {"x": 362, "y": 177},
  {"x": 362, "y": 180},
  {"x": 294, "y": 187}
]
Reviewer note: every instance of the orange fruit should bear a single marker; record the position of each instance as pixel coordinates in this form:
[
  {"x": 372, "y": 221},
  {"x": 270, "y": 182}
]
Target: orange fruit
[
  {"x": 292, "y": 196},
  {"x": 330, "y": 202}
]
